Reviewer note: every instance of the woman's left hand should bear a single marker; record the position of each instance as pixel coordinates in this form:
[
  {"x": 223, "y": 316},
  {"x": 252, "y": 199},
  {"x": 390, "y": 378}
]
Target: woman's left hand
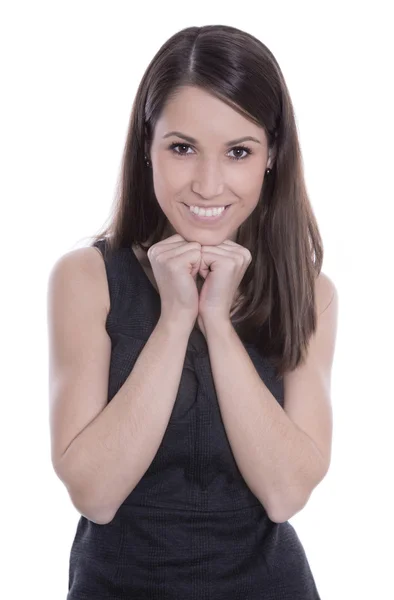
[{"x": 222, "y": 267}]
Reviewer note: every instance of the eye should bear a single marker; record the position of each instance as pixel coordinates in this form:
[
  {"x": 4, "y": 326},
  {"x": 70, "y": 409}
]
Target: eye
[
  {"x": 175, "y": 145},
  {"x": 236, "y": 148},
  {"x": 242, "y": 149}
]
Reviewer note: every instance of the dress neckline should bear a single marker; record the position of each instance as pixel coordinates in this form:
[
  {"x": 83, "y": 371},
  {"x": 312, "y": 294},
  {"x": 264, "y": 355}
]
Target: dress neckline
[{"x": 142, "y": 271}]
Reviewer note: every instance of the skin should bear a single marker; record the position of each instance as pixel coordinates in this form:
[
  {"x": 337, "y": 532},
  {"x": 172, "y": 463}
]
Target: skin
[
  {"x": 283, "y": 454},
  {"x": 205, "y": 173}
]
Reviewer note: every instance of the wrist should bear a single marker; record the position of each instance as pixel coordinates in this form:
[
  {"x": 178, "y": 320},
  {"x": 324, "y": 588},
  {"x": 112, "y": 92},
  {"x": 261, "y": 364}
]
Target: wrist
[
  {"x": 177, "y": 325},
  {"x": 212, "y": 322}
]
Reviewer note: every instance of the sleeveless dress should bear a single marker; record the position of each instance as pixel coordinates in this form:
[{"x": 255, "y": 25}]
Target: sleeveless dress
[{"x": 191, "y": 529}]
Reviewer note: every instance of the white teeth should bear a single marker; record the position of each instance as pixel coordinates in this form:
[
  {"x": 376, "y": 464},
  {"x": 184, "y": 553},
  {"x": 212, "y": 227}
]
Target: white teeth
[{"x": 210, "y": 212}]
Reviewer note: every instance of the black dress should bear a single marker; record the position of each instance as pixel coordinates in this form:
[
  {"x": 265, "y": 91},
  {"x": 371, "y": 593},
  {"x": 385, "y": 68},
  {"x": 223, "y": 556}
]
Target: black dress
[{"x": 191, "y": 529}]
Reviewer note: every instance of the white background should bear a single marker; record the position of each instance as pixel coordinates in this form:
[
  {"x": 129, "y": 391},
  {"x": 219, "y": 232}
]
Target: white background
[{"x": 69, "y": 74}]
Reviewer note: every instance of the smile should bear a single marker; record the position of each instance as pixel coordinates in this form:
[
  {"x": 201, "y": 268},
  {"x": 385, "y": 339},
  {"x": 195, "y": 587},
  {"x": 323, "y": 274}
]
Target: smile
[{"x": 207, "y": 218}]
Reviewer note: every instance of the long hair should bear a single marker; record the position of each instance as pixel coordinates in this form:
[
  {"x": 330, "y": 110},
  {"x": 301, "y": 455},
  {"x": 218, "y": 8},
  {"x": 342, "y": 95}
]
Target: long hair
[{"x": 277, "y": 311}]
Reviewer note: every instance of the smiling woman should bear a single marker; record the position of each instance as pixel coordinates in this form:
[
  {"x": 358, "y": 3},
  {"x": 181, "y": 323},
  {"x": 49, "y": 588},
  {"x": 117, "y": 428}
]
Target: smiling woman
[
  {"x": 218, "y": 177},
  {"x": 187, "y": 447}
]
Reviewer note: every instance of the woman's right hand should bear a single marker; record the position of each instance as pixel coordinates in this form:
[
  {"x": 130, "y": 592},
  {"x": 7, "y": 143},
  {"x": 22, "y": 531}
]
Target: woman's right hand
[{"x": 175, "y": 264}]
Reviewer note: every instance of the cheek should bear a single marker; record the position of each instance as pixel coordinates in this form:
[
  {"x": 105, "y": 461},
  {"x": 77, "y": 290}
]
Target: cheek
[
  {"x": 244, "y": 179},
  {"x": 248, "y": 194},
  {"x": 170, "y": 177},
  {"x": 168, "y": 191}
]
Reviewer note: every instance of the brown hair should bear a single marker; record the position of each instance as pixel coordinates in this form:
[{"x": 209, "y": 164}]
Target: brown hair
[{"x": 277, "y": 312}]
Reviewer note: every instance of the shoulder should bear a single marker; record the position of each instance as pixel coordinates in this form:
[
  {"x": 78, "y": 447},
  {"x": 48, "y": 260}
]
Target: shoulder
[
  {"x": 326, "y": 293},
  {"x": 83, "y": 267}
]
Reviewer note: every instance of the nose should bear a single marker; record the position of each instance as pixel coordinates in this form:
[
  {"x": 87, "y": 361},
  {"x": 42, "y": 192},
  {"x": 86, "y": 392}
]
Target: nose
[{"x": 207, "y": 179}]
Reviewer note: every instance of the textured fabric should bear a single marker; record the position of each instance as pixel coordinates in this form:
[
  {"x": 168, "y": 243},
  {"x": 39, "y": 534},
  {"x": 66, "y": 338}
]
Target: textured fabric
[{"x": 191, "y": 529}]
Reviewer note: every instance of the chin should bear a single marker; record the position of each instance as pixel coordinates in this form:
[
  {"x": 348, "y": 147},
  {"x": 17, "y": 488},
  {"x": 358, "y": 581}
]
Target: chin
[{"x": 205, "y": 238}]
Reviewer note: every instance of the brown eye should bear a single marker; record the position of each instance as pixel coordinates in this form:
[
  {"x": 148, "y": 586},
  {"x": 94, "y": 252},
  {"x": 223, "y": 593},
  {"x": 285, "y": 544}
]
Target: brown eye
[
  {"x": 236, "y": 149},
  {"x": 240, "y": 148},
  {"x": 175, "y": 145}
]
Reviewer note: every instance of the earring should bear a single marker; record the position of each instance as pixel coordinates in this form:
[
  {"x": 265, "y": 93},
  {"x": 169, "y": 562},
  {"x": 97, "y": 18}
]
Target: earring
[{"x": 267, "y": 171}]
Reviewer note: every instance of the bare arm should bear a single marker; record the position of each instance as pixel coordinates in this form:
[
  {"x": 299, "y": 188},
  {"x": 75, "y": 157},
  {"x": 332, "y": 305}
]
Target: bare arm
[{"x": 100, "y": 451}]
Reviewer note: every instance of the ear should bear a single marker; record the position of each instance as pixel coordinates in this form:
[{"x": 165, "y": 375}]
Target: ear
[
  {"x": 146, "y": 141},
  {"x": 271, "y": 157}
]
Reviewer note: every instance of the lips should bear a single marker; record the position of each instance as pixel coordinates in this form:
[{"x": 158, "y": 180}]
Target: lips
[{"x": 207, "y": 207}]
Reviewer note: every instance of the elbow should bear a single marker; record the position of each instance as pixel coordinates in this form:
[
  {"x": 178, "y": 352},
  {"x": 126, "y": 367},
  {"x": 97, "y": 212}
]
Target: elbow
[
  {"x": 94, "y": 513},
  {"x": 277, "y": 514},
  {"x": 281, "y": 510},
  {"x": 288, "y": 504},
  {"x": 84, "y": 501}
]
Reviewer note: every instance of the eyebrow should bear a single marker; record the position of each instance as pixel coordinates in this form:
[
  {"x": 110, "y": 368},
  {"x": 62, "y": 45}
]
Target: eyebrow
[{"x": 192, "y": 140}]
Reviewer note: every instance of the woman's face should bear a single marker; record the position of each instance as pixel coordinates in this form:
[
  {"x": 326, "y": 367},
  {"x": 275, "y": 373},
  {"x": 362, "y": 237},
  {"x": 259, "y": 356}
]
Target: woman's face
[{"x": 207, "y": 171}]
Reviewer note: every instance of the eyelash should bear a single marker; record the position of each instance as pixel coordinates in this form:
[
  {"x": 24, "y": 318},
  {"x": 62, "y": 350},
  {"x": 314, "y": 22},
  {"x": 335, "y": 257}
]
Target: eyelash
[{"x": 241, "y": 147}]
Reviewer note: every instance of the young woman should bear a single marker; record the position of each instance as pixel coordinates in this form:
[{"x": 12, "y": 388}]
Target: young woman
[{"x": 191, "y": 345}]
